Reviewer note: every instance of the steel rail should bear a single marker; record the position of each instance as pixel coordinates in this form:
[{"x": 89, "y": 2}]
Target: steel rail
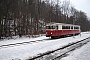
[{"x": 40, "y": 56}]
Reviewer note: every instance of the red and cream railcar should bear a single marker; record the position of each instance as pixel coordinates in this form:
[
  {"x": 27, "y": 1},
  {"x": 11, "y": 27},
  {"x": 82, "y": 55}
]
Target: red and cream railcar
[{"x": 54, "y": 30}]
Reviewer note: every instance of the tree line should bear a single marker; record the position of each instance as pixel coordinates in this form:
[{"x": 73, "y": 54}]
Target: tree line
[{"x": 29, "y": 17}]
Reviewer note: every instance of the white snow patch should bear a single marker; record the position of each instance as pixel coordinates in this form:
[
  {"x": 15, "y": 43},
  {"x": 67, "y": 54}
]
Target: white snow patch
[{"x": 29, "y": 50}]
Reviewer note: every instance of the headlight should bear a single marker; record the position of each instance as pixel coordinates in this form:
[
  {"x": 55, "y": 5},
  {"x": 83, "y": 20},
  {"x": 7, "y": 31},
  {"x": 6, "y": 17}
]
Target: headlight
[{"x": 51, "y": 32}]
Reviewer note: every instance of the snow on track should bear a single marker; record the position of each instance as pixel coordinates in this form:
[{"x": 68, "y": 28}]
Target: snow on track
[
  {"x": 82, "y": 53},
  {"x": 26, "y": 51},
  {"x": 20, "y": 40}
]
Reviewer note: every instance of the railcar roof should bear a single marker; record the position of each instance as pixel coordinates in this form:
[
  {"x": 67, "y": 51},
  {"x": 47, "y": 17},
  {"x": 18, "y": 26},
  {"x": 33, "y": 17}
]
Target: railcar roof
[{"x": 61, "y": 24}]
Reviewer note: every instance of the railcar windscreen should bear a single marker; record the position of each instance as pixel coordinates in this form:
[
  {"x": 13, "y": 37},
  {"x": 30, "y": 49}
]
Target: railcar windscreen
[{"x": 50, "y": 27}]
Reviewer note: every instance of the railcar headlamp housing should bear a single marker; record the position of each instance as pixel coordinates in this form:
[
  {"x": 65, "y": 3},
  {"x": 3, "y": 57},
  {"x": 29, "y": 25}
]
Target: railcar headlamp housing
[{"x": 46, "y": 32}]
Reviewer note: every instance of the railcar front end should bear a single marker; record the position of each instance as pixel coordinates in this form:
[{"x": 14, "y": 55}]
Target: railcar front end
[{"x": 51, "y": 31}]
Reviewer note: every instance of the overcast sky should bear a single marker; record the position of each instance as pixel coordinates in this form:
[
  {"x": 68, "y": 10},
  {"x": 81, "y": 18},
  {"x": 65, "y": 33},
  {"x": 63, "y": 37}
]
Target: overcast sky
[{"x": 83, "y": 5}]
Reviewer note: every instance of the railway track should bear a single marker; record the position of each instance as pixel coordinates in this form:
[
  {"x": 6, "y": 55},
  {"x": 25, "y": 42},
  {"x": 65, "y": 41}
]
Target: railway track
[
  {"x": 60, "y": 52},
  {"x": 23, "y": 43},
  {"x": 51, "y": 55},
  {"x": 19, "y": 44}
]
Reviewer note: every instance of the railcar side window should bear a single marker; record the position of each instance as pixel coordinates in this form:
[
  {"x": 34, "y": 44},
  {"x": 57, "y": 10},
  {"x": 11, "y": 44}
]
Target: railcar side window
[
  {"x": 65, "y": 27},
  {"x": 68, "y": 27},
  {"x": 76, "y": 27},
  {"x": 71, "y": 27}
]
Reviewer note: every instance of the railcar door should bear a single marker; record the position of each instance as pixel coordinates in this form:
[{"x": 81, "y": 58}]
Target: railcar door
[{"x": 57, "y": 32}]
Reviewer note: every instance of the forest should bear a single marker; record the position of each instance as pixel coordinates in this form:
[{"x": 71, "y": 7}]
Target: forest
[{"x": 29, "y": 17}]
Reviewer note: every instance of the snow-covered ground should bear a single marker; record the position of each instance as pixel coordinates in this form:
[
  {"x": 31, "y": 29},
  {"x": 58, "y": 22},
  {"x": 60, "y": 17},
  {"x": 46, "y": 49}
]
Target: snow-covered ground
[
  {"x": 19, "y": 40},
  {"x": 82, "y": 53},
  {"x": 29, "y": 50}
]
